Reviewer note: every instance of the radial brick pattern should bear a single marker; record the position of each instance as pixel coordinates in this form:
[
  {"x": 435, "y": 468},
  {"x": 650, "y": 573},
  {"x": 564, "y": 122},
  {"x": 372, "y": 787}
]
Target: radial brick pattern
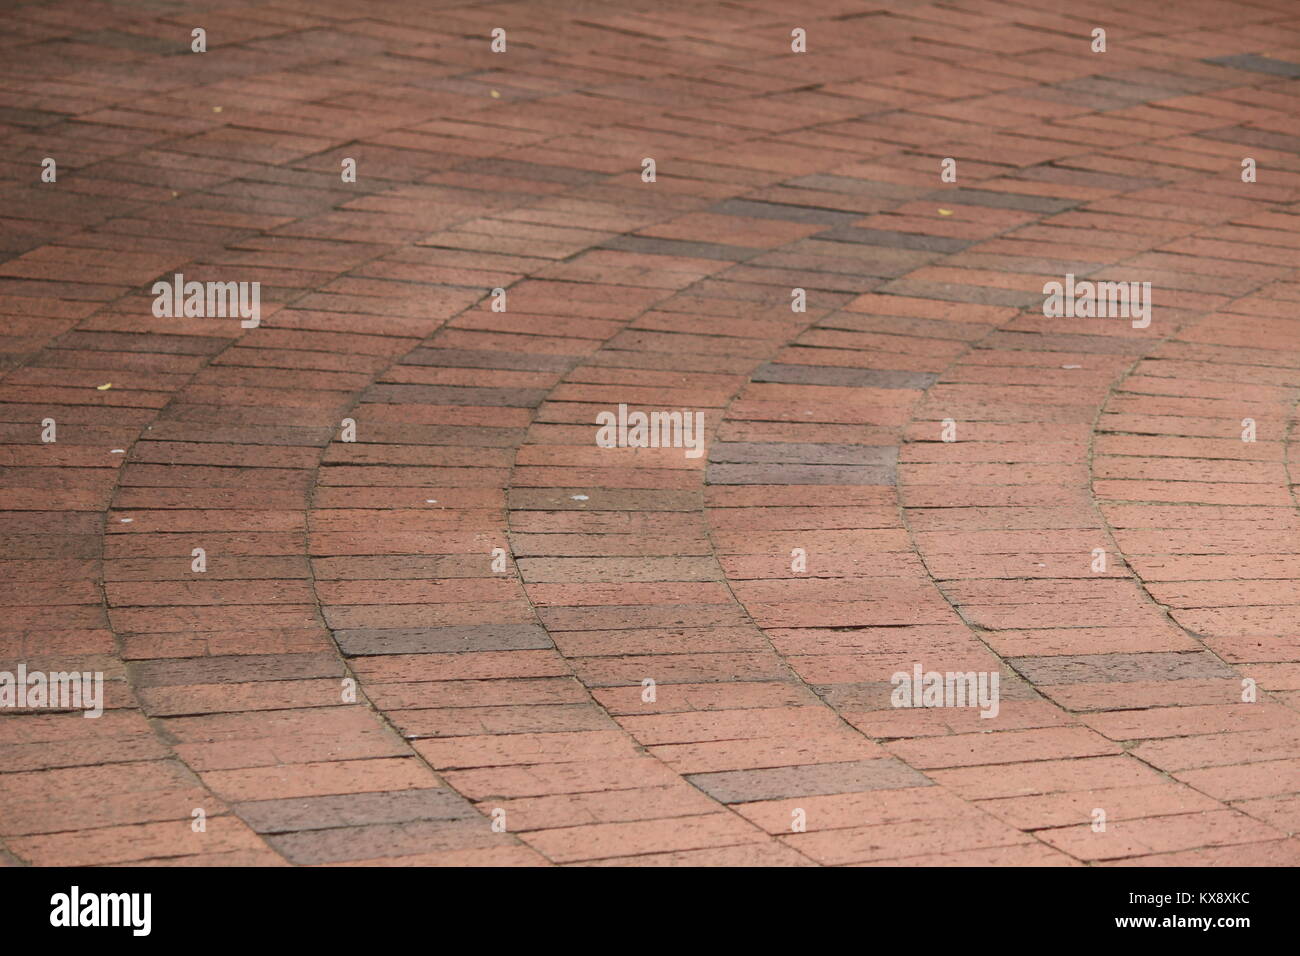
[{"x": 440, "y": 624}]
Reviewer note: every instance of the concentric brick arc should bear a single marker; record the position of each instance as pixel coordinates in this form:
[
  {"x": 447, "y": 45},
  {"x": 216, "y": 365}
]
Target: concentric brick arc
[{"x": 350, "y": 681}]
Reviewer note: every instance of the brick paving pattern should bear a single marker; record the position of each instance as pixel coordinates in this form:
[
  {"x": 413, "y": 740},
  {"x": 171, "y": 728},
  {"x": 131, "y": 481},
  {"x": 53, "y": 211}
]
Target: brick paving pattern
[{"x": 351, "y": 681}]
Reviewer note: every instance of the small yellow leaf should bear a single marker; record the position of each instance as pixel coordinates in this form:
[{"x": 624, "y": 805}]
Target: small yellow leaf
[
  {"x": 105, "y": 387},
  {"x": 216, "y": 109},
  {"x": 496, "y": 95},
  {"x": 945, "y": 212}
]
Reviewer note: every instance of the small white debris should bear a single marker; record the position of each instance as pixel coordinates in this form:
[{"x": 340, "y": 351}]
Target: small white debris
[
  {"x": 430, "y": 501},
  {"x": 1071, "y": 366},
  {"x": 579, "y": 498},
  {"x": 126, "y": 520},
  {"x": 118, "y": 451}
]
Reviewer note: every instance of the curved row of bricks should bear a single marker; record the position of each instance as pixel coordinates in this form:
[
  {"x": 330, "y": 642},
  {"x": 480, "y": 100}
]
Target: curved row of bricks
[
  {"x": 521, "y": 693},
  {"x": 403, "y": 523},
  {"x": 1000, "y": 521}
]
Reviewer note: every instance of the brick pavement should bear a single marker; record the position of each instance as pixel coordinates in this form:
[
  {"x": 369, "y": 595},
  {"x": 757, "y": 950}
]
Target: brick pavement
[{"x": 672, "y": 659}]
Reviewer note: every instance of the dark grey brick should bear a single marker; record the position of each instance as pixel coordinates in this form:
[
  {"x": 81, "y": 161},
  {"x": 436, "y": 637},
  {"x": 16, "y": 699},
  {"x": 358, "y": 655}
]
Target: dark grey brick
[
  {"x": 854, "y": 259},
  {"x": 845, "y": 377},
  {"x": 678, "y": 361},
  {"x": 442, "y": 640},
  {"x": 1000, "y": 200},
  {"x": 812, "y": 215},
  {"x": 897, "y": 240},
  {"x": 742, "y": 786},
  {"x": 649, "y": 245},
  {"x": 1092, "y": 101},
  {"x": 862, "y": 187},
  {"x": 1096, "y": 668},
  {"x": 354, "y": 809},
  {"x": 1256, "y": 137},
  {"x": 1254, "y": 63},
  {"x": 949, "y": 292},
  {"x": 383, "y": 840}
]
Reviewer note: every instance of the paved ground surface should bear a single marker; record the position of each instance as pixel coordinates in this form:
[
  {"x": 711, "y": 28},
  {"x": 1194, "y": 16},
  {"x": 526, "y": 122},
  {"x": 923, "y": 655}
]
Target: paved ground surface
[{"x": 368, "y": 564}]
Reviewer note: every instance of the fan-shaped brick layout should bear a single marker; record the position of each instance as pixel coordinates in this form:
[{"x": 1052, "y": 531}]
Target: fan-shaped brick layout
[{"x": 350, "y": 680}]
